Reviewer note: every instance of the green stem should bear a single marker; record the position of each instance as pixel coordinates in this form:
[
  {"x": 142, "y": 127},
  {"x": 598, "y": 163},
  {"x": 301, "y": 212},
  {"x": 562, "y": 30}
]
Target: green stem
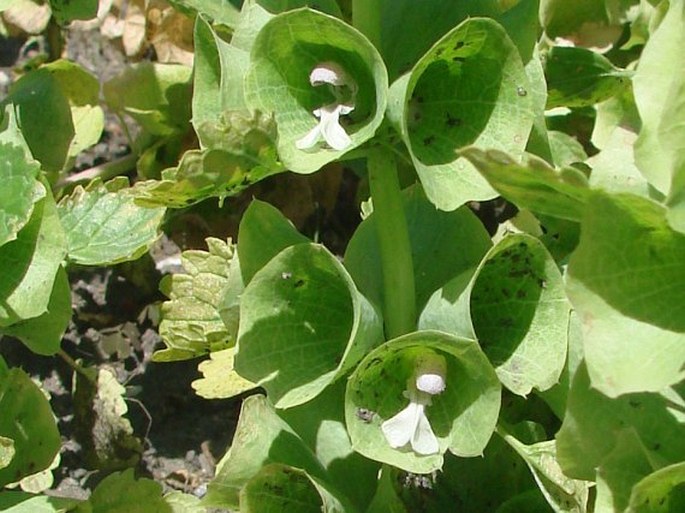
[
  {"x": 398, "y": 270},
  {"x": 103, "y": 171},
  {"x": 366, "y": 17}
]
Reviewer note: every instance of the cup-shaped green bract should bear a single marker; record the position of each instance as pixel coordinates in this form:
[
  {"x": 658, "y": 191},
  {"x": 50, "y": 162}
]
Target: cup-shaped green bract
[
  {"x": 470, "y": 88},
  {"x": 284, "y": 54},
  {"x": 462, "y": 417},
  {"x": 302, "y": 325}
]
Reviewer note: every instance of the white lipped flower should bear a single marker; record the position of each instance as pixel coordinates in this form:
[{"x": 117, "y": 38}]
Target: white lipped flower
[
  {"x": 344, "y": 88},
  {"x": 411, "y": 426}
]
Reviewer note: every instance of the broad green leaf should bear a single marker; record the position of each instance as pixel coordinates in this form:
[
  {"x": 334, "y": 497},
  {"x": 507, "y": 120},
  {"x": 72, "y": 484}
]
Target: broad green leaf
[
  {"x": 618, "y": 112},
  {"x": 192, "y": 324},
  {"x": 221, "y": 12},
  {"x": 321, "y": 425},
  {"x": 462, "y": 417},
  {"x": 593, "y": 421},
  {"x": 263, "y": 233},
  {"x": 672, "y": 136},
  {"x": 20, "y": 190},
  {"x": 444, "y": 244},
  {"x": 28, "y": 421},
  {"x": 6, "y": 451},
  {"x": 386, "y": 499},
  {"x": 627, "y": 282},
  {"x": 286, "y": 50},
  {"x": 620, "y": 470},
  {"x": 121, "y": 491},
  {"x": 533, "y": 184},
  {"x": 406, "y": 32},
  {"x": 531, "y": 501},
  {"x": 65, "y": 11},
  {"x": 243, "y": 153},
  {"x": 303, "y": 324},
  {"x": 613, "y": 168},
  {"x": 183, "y": 503},
  {"x": 578, "y": 77},
  {"x": 538, "y": 141},
  {"x": 278, "y": 487},
  {"x": 562, "y": 493},
  {"x": 327, "y": 6},
  {"x": 261, "y": 437},
  {"x": 520, "y": 314},
  {"x": 30, "y": 264},
  {"x": 563, "y": 18},
  {"x": 470, "y": 88},
  {"x": 157, "y": 96},
  {"x": 104, "y": 226},
  {"x": 566, "y": 149},
  {"x": 522, "y": 23},
  {"x": 21, "y": 502},
  {"x": 660, "y": 492},
  {"x": 220, "y": 380},
  {"x": 43, "y": 334},
  {"x": 658, "y": 87}
]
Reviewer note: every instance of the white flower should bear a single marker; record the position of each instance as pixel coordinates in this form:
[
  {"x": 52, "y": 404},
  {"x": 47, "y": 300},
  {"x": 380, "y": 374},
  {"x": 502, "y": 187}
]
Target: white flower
[
  {"x": 328, "y": 129},
  {"x": 411, "y": 426},
  {"x": 344, "y": 89}
]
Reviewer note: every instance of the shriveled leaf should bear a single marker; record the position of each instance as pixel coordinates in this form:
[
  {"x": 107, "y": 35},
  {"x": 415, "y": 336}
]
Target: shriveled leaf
[
  {"x": 43, "y": 334},
  {"x": 330, "y": 325},
  {"x": 30, "y": 264},
  {"x": 261, "y": 437},
  {"x": 492, "y": 110},
  {"x": 104, "y": 226},
  {"x": 158, "y": 96},
  {"x": 627, "y": 281},
  {"x": 284, "y": 54},
  {"x": 28, "y": 421},
  {"x": 462, "y": 417},
  {"x": 533, "y": 184},
  {"x": 243, "y": 154},
  {"x": 101, "y": 428},
  {"x": 578, "y": 77},
  {"x": 220, "y": 380},
  {"x": 19, "y": 192},
  {"x": 192, "y": 323},
  {"x": 6, "y": 451}
]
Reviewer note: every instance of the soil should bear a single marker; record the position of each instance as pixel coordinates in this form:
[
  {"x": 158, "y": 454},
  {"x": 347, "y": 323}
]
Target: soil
[{"x": 114, "y": 325}]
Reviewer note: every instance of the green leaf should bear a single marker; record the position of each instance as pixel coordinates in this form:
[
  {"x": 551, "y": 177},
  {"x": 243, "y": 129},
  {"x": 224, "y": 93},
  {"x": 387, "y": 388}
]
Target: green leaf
[
  {"x": 278, "y": 487},
  {"x": 221, "y": 12},
  {"x": 220, "y": 380},
  {"x": 578, "y": 77},
  {"x": 444, "y": 244},
  {"x": 561, "y": 18},
  {"x": 303, "y": 324},
  {"x": 121, "y": 492},
  {"x": 157, "y": 96},
  {"x": 30, "y": 265},
  {"x": 261, "y": 437},
  {"x": 43, "y": 334},
  {"x": 592, "y": 423},
  {"x": 243, "y": 153},
  {"x": 65, "y": 11},
  {"x": 533, "y": 184},
  {"x": 20, "y": 190},
  {"x": 520, "y": 313},
  {"x": 566, "y": 149},
  {"x": 263, "y": 233},
  {"x": 462, "y": 417},
  {"x": 327, "y": 6},
  {"x": 103, "y": 224},
  {"x": 183, "y": 503},
  {"x": 192, "y": 324},
  {"x": 21, "y": 502},
  {"x": 285, "y": 52},
  {"x": 658, "y": 88},
  {"x": 633, "y": 328},
  {"x": 562, "y": 493},
  {"x": 493, "y": 109},
  {"x": 28, "y": 421},
  {"x": 660, "y": 492}
]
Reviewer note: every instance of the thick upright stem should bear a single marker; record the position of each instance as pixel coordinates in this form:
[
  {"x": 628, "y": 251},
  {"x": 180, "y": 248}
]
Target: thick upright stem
[
  {"x": 366, "y": 17},
  {"x": 396, "y": 259}
]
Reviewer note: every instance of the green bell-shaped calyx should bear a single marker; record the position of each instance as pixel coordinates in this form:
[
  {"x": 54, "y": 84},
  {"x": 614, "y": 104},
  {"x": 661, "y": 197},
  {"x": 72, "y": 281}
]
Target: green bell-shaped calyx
[{"x": 324, "y": 82}]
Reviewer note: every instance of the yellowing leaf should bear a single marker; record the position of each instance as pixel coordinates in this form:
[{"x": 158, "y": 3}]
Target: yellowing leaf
[{"x": 220, "y": 380}]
